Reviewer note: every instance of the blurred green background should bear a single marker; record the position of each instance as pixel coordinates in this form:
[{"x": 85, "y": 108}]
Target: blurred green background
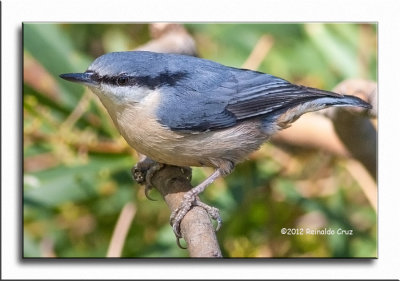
[{"x": 77, "y": 167}]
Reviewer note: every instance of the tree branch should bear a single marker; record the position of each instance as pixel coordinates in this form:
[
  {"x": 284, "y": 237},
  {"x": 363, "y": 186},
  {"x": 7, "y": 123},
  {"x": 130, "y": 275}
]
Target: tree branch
[
  {"x": 197, "y": 230},
  {"x": 355, "y": 130}
]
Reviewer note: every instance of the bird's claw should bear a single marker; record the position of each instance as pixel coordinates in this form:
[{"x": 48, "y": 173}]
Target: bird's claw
[
  {"x": 178, "y": 242},
  {"x": 176, "y": 218},
  {"x": 147, "y": 189}
]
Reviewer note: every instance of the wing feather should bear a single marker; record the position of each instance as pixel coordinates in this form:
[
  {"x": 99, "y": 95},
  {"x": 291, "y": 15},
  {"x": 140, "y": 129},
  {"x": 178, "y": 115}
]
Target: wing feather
[{"x": 217, "y": 97}]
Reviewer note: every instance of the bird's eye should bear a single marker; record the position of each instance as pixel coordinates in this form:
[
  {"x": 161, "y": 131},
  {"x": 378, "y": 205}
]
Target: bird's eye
[
  {"x": 94, "y": 76},
  {"x": 122, "y": 80}
]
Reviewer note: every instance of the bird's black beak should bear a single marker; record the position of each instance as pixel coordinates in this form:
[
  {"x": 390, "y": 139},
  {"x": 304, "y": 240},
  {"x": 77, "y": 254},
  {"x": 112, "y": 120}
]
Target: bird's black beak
[{"x": 82, "y": 78}]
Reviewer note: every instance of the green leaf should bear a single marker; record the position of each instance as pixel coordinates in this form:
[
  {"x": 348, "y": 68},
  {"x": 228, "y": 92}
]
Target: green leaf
[
  {"x": 62, "y": 184},
  {"x": 47, "y": 44},
  {"x": 338, "y": 54}
]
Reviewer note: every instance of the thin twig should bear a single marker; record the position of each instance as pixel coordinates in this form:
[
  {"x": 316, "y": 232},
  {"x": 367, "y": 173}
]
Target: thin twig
[
  {"x": 364, "y": 179},
  {"x": 79, "y": 110},
  {"x": 259, "y": 52},
  {"x": 121, "y": 230}
]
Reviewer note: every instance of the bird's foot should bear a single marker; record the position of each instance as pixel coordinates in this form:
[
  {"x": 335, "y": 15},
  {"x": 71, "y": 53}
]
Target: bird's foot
[
  {"x": 190, "y": 199},
  {"x": 140, "y": 169},
  {"x": 143, "y": 173},
  {"x": 180, "y": 213}
]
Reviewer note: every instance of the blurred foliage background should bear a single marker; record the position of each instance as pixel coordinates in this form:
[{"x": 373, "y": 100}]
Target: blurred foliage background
[{"x": 77, "y": 167}]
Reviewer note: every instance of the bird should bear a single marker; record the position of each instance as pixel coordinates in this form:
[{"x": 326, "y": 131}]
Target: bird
[{"x": 192, "y": 112}]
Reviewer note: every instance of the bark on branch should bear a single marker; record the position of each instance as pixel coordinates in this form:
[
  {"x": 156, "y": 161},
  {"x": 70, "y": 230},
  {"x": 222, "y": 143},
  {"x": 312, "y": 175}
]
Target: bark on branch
[
  {"x": 196, "y": 228},
  {"x": 355, "y": 130}
]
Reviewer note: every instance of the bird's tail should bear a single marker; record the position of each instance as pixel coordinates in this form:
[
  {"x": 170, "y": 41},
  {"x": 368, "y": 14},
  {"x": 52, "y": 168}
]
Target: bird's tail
[
  {"x": 337, "y": 99},
  {"x": 316, "y": 100},
  {"x": 343, "y": 101}
]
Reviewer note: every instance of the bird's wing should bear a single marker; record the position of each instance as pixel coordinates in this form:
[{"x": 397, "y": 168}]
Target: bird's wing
[
  {"x": 260, "y": 94},
  {"x": 220, "y": 98}
]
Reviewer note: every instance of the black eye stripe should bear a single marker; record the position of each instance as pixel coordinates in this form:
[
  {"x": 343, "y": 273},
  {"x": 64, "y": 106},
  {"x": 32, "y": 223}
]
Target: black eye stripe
[
  {"x": 120, "y": 80},
  {"x": 145, "y": 81}
]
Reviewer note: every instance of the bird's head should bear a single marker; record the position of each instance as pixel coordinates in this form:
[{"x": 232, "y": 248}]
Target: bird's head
[{"x": 121, "y": 77}]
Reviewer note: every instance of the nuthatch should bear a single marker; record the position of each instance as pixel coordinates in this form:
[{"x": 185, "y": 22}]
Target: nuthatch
[{"x": 187, "y": 111}]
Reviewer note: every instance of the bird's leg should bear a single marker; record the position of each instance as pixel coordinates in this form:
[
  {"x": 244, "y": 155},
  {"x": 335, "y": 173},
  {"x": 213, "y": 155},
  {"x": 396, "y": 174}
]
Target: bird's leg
[
  {"x": 143, "y": 172},
  {"x": 191, "y": 199}
]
